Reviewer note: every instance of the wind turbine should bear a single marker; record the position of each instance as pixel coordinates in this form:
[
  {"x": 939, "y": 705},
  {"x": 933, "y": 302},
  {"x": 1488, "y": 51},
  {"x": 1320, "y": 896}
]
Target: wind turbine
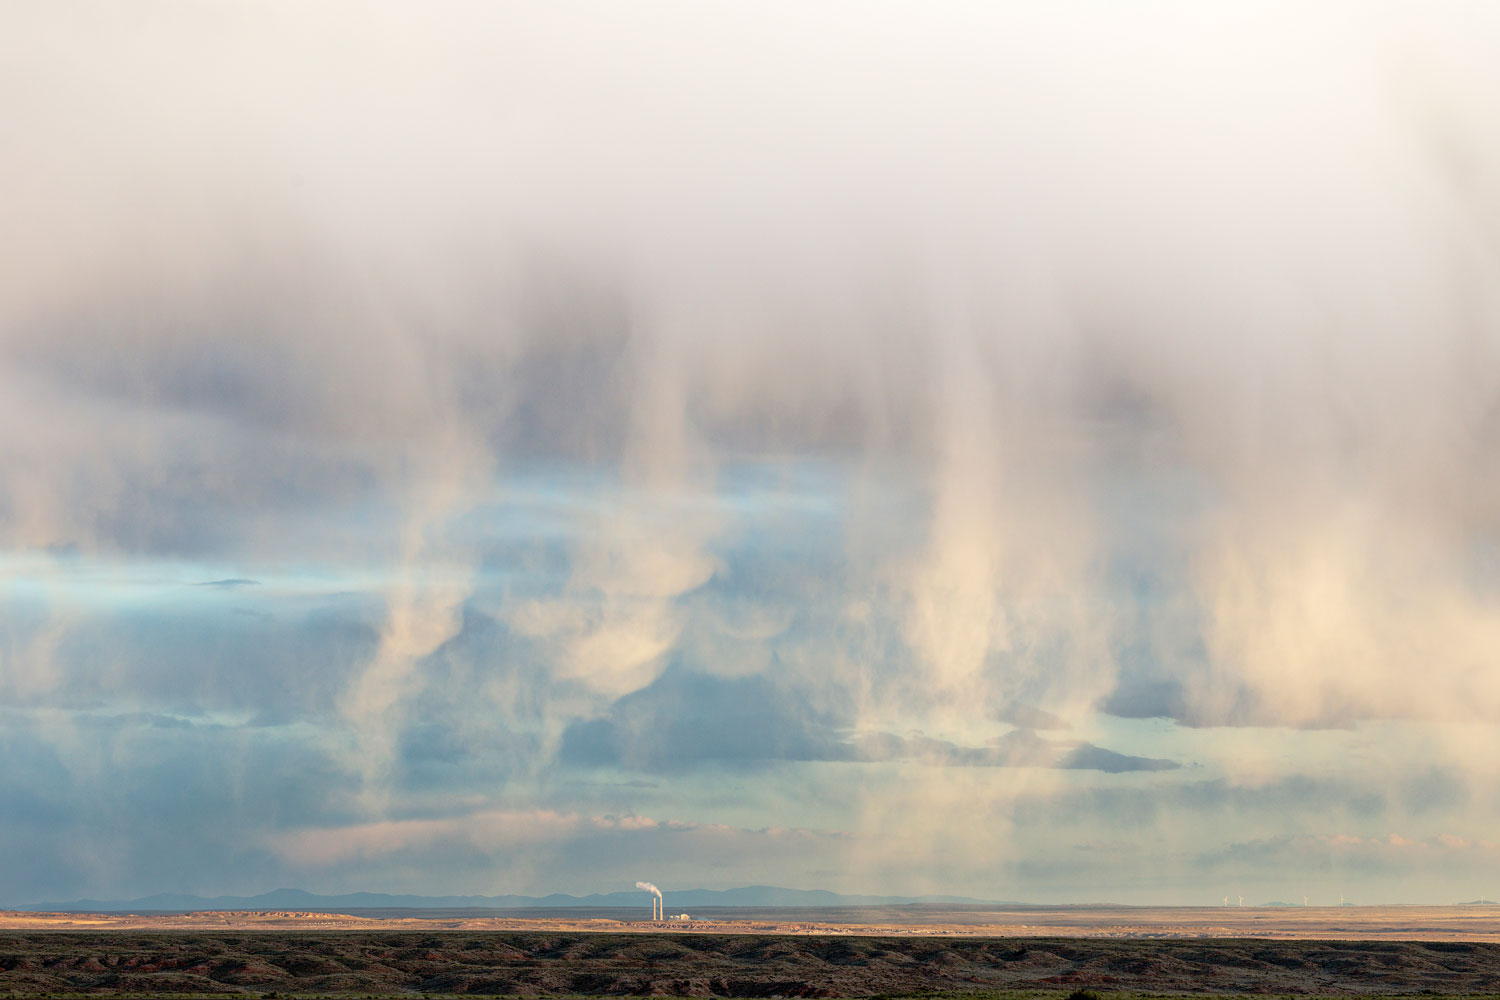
[
  {"x": 1226, "y": 900},
  {"x": 1242, "y": 900},
  {"x": 1304, "y": 900}
]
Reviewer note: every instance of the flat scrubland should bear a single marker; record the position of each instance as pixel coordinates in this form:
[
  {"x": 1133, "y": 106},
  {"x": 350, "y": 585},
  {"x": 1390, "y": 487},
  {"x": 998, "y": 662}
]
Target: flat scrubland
[
  {"x": 202, "y": 963},
  {"x": 1364, "y": 923}
]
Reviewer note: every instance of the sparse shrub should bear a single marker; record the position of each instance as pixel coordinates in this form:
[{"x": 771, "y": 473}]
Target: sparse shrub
[{"x": 1084, "y": 995}]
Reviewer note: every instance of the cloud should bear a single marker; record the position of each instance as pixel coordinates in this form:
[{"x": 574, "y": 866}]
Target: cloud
[
  {"x": 1297, "y": 800},
  {"x": 1239, "y": 705},
  {"x": 496, "y": 830},
  {"x": 686, "y": 719},
  {"x": 121, "y": 804},
  {"x": 298, "y": 339},
  {"x": 1089, "y": 757},
  {"x": 1019, "y": 748},
  {"x": 1029, "y": 717},
  {"x": 797, "y": 387},
  {"x": 1146, "y": 700},
  {"x": 499, "y": 831},
  {"x": 1388, "y": 852}
]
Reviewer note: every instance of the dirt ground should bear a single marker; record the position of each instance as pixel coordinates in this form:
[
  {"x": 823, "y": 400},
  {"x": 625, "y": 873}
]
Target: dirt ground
[
  {"x": 566, "y": 963},
  {"x": 968, "y": 951}
]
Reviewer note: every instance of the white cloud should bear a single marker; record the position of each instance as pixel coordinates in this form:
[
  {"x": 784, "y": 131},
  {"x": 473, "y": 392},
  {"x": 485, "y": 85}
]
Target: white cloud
[{"x": 1147, "y": 347}]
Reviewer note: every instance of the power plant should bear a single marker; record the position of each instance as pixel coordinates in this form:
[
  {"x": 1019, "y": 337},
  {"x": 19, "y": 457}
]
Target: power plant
[{"x": 656, "y": 902}]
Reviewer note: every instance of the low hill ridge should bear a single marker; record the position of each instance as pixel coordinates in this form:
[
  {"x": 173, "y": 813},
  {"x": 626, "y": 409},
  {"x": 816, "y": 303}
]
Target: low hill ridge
[{"x": 302, "y": 900}]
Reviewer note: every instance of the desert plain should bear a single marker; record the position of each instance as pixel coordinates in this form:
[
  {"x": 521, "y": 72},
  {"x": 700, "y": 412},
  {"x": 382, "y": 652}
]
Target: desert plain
[
  {"x": 838, "y": 952},
  {"x": 1391, "y": 923}
]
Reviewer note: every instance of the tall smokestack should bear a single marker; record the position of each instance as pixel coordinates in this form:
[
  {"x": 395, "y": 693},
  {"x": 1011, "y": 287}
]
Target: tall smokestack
[{"x": 656, "y": 902}]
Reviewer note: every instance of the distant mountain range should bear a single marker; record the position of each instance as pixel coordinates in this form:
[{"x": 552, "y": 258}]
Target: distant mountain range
[{"x": 297, "y": 899}]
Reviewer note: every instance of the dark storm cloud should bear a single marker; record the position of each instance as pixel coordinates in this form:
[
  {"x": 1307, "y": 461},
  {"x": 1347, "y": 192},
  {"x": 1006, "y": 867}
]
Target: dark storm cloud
[
  {"x": 1092, "y": 758},
  {"x": 685, "y": 719},
  {"x": 1238, "y": 706},
  {"x": 286, "y": 660},
  {"x": 1302, "y": 798},
  {"x": 1018, "y": 748},
  {"x": 1029, "y": 717},
  {"x": 104, "y": 804},
  {"x": 1146, "y": 700}
]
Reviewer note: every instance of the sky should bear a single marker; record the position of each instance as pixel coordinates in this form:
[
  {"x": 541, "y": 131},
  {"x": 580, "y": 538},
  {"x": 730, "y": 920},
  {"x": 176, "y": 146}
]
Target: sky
[{"x": 1032, "y": 451}]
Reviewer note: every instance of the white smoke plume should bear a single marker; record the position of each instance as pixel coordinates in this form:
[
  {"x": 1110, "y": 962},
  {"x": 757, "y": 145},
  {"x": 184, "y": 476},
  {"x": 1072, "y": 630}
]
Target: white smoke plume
[{"x": 649, "y": 888}]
